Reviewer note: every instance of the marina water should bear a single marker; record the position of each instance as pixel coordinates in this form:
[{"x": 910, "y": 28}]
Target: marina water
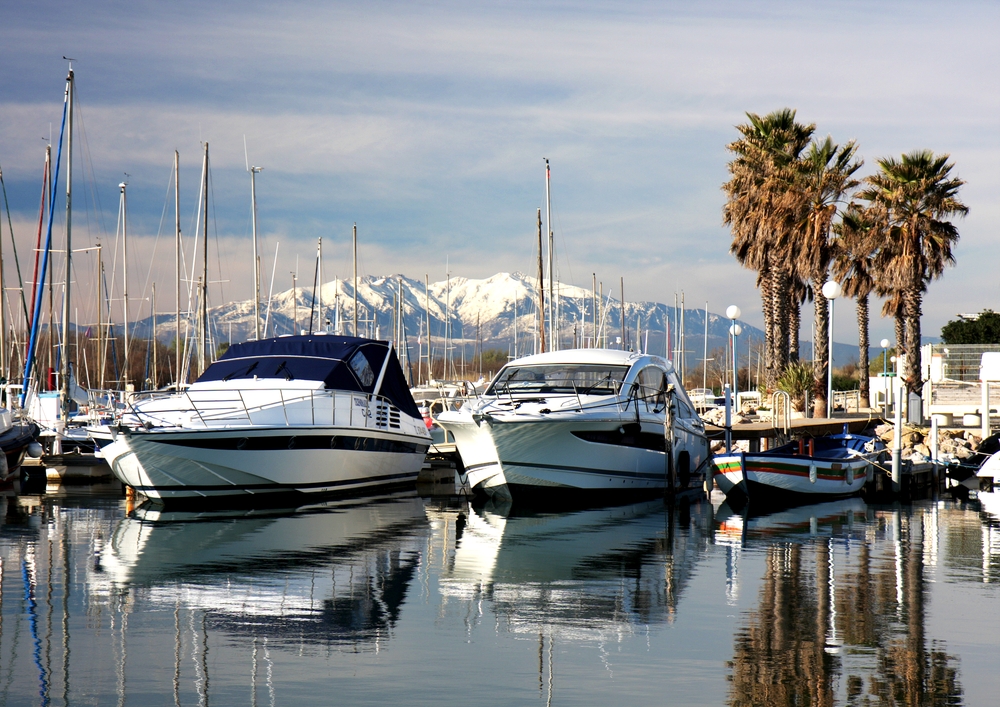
[{"x": 401, "y": 599}]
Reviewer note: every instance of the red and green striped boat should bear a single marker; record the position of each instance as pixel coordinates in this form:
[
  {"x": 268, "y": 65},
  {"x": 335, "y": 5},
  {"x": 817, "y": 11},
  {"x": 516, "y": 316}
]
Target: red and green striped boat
[{"x": 829, "y": 467}]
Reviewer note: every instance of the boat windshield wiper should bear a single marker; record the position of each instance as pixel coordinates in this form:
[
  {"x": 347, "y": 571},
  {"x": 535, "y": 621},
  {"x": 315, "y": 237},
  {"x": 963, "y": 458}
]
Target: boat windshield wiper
[
  {"x": 587, "y": 390},
  {"x": 247, "y": 372},
  {"x": 284, "y": 367}
]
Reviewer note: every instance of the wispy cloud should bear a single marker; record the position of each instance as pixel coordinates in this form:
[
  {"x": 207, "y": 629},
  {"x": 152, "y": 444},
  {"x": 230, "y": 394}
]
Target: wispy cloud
[{"x": 426, "y": 122}]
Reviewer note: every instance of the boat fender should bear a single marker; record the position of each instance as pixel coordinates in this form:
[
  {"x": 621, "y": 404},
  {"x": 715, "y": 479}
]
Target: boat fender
[
  {"x": 35, "y": 450},
  {"x": 812, "y": 473}
]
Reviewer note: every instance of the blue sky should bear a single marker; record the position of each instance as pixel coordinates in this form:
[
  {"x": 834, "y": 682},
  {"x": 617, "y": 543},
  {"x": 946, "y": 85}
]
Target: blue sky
[{"x": 427, "y": 123}]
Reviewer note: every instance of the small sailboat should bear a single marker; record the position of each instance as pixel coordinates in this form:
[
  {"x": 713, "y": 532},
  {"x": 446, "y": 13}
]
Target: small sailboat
[{"x": 808, "y": 468}]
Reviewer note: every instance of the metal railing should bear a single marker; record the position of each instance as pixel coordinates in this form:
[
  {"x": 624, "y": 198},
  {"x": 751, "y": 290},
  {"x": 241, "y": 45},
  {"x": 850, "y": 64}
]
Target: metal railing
[
  {"x": 847, "y": 400},
  {"x": 954, "y": 362},
  {"x": 275, "y": 407}
]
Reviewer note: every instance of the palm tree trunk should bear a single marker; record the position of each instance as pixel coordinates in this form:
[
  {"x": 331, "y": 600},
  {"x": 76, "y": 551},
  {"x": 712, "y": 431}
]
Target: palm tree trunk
[
  {"x": 863, "y": 347},
  {"x": 767, "y": 305},
  {"x": 794, "y": 326},
  {"x": 821, "y": 356},
  {"x": 900, "y": 333},
  {"x": 911, "y": 303},
  {"x": 781, "y": 302}
]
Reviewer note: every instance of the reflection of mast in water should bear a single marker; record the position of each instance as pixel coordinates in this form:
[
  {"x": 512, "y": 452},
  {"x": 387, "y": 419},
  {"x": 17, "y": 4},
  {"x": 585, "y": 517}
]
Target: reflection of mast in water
[
  {"x": 543, "y": 661},
  {"x": 732, "y": 574}
]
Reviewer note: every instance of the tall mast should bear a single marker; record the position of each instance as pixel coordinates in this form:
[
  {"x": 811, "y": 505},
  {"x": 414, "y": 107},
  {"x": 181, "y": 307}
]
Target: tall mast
[
  {"x": 601, "y": 337},
  {"x": 204, "y": 265},
  {"x": 319, "y": 270},
  {"x": 548, "y": 225},
  {"x": 427, "y": 313},
  {"x": 64, "y": 359},
  {"x": 256, "y": 258},
  {"x": 152, "y": 307},
  {"x": 355, "y": 332},
  {"x": 683, "y": 350},
  {"x": 541, "y": 283},
  {"x": 624, "y": 325},
  {"x": 177, "y": 262},
  {"x": 593, "y": 343},
  {"x": 123, "y": 213},
  {"x": 515, "y": 320},
  {"x": 704, "y": 370},
  {"x": 447, "y": 322},
  {"x": 100, "y": 338}
]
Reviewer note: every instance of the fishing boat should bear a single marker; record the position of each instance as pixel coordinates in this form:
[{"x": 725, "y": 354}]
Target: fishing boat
[
  {"x": 289, "y": 415},
  {"x": 580, "y": 421},
  {"x": 808, "y": 468}
]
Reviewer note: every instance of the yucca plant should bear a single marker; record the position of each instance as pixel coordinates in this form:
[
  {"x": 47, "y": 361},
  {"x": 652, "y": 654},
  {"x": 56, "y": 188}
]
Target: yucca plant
[{"x": 796, "y": 380}]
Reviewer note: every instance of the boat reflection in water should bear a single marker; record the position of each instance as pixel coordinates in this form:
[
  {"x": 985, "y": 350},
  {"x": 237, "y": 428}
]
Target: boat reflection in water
[
  {"x": 580, "y": 574},
  {"x": 326, "y": 573},
  {"x": 840, "y": 617}
]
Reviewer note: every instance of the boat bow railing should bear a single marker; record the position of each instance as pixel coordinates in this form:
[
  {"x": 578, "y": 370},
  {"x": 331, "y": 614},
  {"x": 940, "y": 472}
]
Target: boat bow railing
[{"x": 275, "y": 407}]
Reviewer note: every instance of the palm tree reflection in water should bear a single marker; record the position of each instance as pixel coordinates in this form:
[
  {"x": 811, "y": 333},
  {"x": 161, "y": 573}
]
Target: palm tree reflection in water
[{"x": 815, "y": 624}]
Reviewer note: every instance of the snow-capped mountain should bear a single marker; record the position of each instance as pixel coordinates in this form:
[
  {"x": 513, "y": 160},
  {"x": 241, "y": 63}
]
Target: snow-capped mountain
[{"x": 483, "y": 309}]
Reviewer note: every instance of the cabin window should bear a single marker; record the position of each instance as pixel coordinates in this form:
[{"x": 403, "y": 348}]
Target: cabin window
[
  {"x": 582, "y": 379},
  {"x": 359, "y": 364},
  {"x": 651, "y": 385}
]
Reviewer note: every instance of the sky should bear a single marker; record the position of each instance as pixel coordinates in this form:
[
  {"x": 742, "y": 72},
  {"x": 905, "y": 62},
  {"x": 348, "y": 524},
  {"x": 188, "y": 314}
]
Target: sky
[{"x": 427, "y": 125}]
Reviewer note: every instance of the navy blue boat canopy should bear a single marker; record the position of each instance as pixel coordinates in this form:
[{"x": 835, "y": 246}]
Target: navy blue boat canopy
[{"x": 340, "y": 362}]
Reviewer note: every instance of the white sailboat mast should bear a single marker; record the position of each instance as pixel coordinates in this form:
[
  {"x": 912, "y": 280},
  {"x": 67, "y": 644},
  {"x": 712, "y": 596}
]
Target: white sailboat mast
[
  {"x": 256, "y": 257},
  {"x": 355, "y": 331},
  {"x": 177, "y": 263},
  {"x": 64, "y": 359},
  {"x": 553, "y": 333},
  {"x": 205, "y": 356},
  {"x": 124, "y": 214}
]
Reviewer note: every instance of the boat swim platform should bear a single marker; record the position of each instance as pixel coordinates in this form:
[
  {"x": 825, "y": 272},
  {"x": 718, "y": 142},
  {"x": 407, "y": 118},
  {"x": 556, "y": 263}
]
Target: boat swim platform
[{"x": 798, "y": 427}]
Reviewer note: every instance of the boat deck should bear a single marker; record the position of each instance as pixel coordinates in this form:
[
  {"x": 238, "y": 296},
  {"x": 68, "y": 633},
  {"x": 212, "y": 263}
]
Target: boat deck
[{"x": 813, "y": 426}]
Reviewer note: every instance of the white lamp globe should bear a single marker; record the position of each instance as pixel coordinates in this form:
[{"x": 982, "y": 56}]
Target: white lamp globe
[
  {"x": 733, "y": 312},
  {"x": 884, "y": 343},
  {"x": 735, "y": 330},
  {"x": 832, "y": 290}
]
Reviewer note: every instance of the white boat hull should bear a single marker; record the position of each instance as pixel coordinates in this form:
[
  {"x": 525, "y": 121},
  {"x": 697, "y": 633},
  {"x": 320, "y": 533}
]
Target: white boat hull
[
  {"x": 248, "y": 462},
  {"x": 545, "y": 454}
]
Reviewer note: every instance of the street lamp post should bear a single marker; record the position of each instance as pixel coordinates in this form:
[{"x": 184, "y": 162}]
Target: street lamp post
[
  {"x": 885, "y": 386},
  {"x": 733, "y": 313},
  {"x": 831, "y": 290}
]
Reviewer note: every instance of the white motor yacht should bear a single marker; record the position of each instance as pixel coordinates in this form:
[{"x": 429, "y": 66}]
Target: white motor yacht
[
  {"x": 581, "y": 420},
  {"x": 294, "y": 414}
]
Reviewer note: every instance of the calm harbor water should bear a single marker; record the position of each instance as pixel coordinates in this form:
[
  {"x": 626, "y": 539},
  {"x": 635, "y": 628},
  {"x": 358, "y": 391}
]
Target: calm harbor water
[{"x": 406, "y": 600}]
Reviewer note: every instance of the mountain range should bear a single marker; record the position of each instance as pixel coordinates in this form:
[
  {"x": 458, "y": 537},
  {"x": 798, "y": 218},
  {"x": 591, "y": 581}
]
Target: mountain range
[{"x": 464, "y": 310}]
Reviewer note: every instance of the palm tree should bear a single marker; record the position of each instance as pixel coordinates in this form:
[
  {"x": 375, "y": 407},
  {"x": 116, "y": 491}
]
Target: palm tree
[
  {"x": 856, "y": 237},
  {"x": 760, "y": 212},
  {"x": 917, "y": 196},
  {"x": 826, "y": 175}
]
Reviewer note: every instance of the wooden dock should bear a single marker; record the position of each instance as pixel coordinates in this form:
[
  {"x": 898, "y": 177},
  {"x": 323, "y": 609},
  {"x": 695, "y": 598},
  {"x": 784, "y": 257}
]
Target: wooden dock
[{"x": 799, "y": 427}]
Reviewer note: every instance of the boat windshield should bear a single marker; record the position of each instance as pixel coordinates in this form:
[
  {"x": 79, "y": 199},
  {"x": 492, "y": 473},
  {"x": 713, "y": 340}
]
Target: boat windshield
[{"x": 583, "y": 378}]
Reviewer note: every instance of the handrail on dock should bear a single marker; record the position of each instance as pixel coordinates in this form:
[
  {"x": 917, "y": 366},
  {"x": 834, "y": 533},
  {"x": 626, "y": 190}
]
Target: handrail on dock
[{"x": 781, "y": 403}]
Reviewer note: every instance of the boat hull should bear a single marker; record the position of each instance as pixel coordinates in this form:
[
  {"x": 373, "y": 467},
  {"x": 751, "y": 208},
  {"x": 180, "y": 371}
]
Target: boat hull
[
  {"x": 14, "y": 444},
  {"x": 788, "y": 477},
  {"x": 244, "y": 464},
  {"x": 509, "y": 458}
]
